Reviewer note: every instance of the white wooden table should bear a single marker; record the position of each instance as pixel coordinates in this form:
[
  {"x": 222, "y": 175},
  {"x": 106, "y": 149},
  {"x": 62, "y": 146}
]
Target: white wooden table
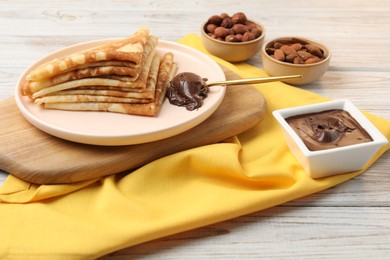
[{"x": 350, "y": 221}]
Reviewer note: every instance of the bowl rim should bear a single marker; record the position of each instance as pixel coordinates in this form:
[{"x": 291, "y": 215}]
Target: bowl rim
[
  {"x": 322, "y": 45},
  {"x": 262, "y": 36},
  {"x": 378, "y": 138}
]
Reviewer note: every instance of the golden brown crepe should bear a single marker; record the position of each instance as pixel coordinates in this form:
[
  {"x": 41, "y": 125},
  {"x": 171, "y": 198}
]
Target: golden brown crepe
[
  {"x": 88, "y": 72},
  {"x": 89, "y": 98},
  {"x": 129, "y": 49},
  {"x": 105, "y": 94},
  {"x": 166, "y": 72}
]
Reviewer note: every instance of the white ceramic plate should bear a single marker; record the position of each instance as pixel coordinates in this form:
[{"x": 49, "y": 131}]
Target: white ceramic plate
[{"x": 105, "y": 128}]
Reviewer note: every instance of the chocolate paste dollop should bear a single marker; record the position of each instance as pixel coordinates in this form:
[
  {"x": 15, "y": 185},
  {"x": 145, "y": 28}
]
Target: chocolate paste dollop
[
  {"x": 328, "y": 129},
  {"x": 187, "y": 89}
]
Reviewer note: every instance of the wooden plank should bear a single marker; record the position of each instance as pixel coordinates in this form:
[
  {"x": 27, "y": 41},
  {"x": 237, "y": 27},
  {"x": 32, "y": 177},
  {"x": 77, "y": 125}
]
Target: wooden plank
[{"x": 282, "y": 232}]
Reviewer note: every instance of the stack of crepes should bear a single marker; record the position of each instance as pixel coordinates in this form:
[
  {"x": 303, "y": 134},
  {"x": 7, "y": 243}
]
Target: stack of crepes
[{"x": 126, "y": 76}]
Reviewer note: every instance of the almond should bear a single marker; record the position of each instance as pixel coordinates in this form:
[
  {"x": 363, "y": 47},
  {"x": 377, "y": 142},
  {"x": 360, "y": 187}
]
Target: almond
[
  {"x": 312, "y": 59},
  {"x": 279, "y": 55},
  {"x": 298, "y": 60},
  {"x": 287, "y": 49},
  {"x": 296, "y": 46},
  {"x": 291, "y": 57},
  {"x": 314, "y": 50},
  {"x": 304, "y": 55}
]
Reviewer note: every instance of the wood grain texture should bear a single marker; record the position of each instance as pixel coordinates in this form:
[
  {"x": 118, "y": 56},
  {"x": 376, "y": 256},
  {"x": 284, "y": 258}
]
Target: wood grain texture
[
  {"x": 283, "y": 232},
  {"x": 349, "y": 221}
]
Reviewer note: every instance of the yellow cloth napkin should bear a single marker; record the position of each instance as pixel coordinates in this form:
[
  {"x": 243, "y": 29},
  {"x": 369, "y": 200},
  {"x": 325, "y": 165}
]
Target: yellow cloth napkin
[{"x": 190, "y": 189}]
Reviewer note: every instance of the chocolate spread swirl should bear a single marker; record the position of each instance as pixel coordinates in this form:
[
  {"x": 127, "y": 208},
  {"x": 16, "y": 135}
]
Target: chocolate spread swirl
[
  {"x": 328, "y": 129},
  {"x": 187, "y": 89}
]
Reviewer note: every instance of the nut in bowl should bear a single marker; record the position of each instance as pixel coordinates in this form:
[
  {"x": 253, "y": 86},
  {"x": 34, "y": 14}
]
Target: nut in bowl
[
  {"x": 329, "y": 138},
  {"x": 232, "y": 38},
  {"x": 295, "y": 56}
]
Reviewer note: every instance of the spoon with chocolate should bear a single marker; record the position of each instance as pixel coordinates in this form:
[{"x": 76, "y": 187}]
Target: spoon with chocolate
[{"x": 189, "y": 89}]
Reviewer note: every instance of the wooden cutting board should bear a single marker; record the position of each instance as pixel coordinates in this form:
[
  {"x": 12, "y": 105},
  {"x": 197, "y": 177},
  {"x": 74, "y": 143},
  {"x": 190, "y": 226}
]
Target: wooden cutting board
[{"x": 37, "y": 157}]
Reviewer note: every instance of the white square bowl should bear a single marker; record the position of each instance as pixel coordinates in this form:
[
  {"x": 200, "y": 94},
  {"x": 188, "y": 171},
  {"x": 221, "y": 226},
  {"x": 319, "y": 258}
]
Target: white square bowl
[{"x": 323, "y": 163}]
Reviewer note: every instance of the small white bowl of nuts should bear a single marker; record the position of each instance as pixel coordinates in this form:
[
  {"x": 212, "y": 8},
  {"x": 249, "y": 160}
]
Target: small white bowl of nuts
[
  {"x": 295, "y": 56},
  {"x": 232, "y": 38}
]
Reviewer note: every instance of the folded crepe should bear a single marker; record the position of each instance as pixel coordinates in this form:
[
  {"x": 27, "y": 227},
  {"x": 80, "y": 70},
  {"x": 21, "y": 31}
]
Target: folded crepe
[
  {"x": 94, "y": 69},
  {"x": 125, "y": 76},
  {"x": 129, "y": 49},
  {"x": 108, "y": 91},
  {"x": 164, "y": 74},
  {"x": 86, "y": 72},
  {"x": 103, "y": 93},
  {"x": 86, "y": 77}
]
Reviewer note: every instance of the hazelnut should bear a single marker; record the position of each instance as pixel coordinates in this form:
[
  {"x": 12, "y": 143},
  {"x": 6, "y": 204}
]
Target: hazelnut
[
  {"x": 256, "y": 31},
  {"x": 250, "y": 25},
  {"x": 239, "y": 17},
  {"x": 224, "y": 15},
  {"x": 227, "y": 22},
  {"x": 239, "y": 37},
  {"x": 240, "y": 28},
  {"x": 221, "y": 32},
  {"x": 232, "y": 38},
  {"x": 215, "y": 19},
  {"x": 248, "y": 36},
  {"x": 210, "y": 28}
]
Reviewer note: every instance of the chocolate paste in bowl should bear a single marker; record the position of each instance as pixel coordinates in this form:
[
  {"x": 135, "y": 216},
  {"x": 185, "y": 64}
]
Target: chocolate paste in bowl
[{"x": 328, "y": 129}]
